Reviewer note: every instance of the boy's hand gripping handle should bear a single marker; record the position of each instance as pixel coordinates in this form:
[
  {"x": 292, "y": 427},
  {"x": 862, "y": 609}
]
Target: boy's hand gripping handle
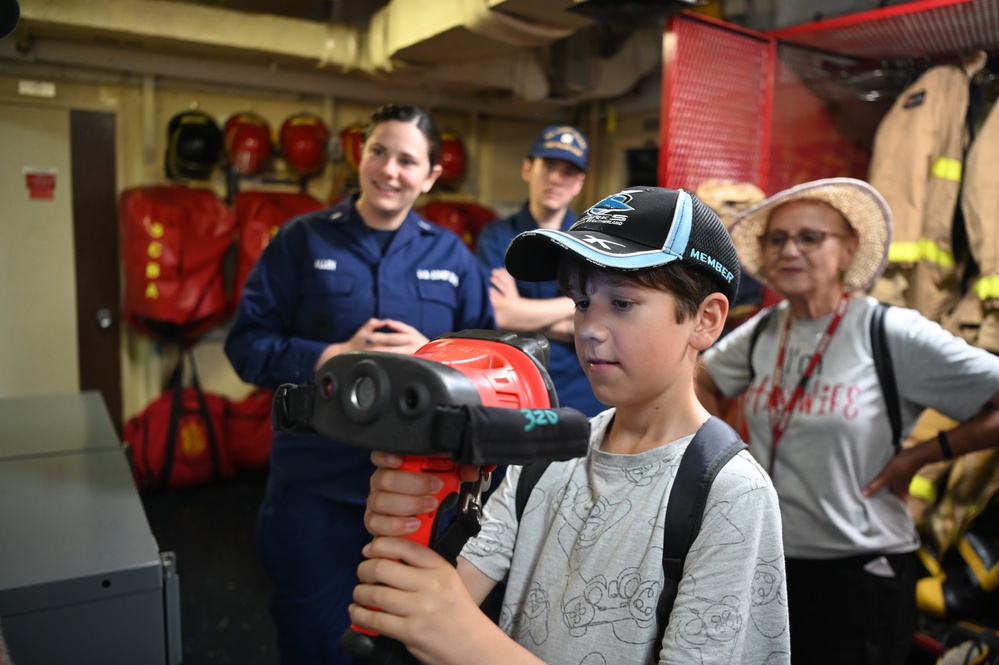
[
  {"x": 445, "y": 469},
  {"x": 369, "y": 645}
]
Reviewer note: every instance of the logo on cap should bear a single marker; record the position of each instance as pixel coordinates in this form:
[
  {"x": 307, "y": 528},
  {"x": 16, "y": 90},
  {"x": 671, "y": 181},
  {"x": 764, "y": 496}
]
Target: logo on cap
[
  {"x": 565, "y": 138},
  {"x": 611, "y": 210},
  {"x": 614, "y": 203},
  {"x": 711, "y": 262},
  {"x": 602, "y": 242},
  {"x": 562, "y": 142}
]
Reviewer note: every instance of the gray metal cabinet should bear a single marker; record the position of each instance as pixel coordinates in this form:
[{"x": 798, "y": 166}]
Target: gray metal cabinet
[{"x": 81, "y": 576}]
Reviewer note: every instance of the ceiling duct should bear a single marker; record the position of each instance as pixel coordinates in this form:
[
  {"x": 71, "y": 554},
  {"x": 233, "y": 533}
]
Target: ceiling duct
[
  {"x": 487, "y": 49},
  {"x": 521, "y": 74},
  {"x": 579, "y": 76}
]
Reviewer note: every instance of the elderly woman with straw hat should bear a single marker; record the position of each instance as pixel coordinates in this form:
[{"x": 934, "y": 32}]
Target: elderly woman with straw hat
[{"x": 819, "y": 421}]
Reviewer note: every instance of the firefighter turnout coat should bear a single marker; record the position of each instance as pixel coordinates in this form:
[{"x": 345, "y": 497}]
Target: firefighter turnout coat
[{"x": 917, "y": 164}]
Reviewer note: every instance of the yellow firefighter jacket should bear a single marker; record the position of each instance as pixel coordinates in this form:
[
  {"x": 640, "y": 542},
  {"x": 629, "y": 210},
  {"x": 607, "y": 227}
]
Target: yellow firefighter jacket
[{"x": 917, "y": 164}]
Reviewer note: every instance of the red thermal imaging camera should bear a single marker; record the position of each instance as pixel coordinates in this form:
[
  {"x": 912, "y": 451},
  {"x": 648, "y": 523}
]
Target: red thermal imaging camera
[{"x": 477, "y": 397}]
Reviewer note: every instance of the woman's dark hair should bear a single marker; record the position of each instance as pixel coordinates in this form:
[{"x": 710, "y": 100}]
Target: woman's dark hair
[
  {"x": 414, "y": 115},
  {"x": 689, "y": 284}
]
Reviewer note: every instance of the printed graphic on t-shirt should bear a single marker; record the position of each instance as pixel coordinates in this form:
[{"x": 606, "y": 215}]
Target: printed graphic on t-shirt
[{"x": 820, "y": 398}]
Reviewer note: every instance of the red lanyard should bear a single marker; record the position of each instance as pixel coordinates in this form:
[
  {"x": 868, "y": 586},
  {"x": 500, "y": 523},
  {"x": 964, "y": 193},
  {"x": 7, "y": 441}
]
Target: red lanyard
[{"x": 779, "y": 421}]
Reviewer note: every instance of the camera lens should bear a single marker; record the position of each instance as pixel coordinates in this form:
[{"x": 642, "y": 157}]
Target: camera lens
[
  {"x": 366, "y": 392},
  {"x": 411, "y": 399},
  {"x": 362, "y": 395},
  {"x": 414, "y": 400}
]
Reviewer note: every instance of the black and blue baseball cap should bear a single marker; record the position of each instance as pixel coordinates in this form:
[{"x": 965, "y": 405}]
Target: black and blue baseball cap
[
  {"x": 637, "y": 228},
  {"x": 562, "y": 142}
]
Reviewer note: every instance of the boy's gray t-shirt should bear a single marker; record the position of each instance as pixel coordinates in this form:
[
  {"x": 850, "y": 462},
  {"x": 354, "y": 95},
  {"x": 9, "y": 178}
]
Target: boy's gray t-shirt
[
  {"x": 839, "y": 436},
  {"x": 585, "y": 564}
]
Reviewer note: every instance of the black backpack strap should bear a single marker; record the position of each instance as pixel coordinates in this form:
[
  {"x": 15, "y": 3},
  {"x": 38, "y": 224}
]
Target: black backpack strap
[
  {"x": 755, "y": 335},
  {"x": 530, "y": 474},
  {"x": 452, "y": 539},
  {"x": 711, "y": 448},
  {"x": 886, "y": 372}
]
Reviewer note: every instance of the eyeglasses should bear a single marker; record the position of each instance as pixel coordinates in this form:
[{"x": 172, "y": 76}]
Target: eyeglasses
[{"x": 806, "y": 241}]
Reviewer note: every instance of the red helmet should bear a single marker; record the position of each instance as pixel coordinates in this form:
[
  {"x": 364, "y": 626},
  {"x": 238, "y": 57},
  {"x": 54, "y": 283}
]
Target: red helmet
[
  {"x": 304, "y": 140},
  {"x": 465, "y": 218},
  {"x": 247, "y": 143},
  {"x": 452, "y": 160},
  {"x": 352, "y": 139}
]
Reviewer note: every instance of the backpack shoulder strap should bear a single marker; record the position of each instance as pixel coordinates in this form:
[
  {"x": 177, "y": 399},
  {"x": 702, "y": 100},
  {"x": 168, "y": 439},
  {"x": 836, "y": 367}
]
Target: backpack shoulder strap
[
  {"x": 711, "y": 448},
  {"x": 530, "y": 474},
  {"x": 886, "y": 372},
  {"x": 755, "y": 335}
]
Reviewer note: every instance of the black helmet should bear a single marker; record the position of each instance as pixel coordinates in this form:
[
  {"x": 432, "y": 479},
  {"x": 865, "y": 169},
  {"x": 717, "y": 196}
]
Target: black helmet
[
  {"x": 194, "y": 146},
  {"x": 10, "y": 12}
]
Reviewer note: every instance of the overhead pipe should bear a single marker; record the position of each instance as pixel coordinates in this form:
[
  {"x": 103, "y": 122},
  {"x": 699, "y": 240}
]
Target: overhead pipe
[{"x": 62, "y": 60}]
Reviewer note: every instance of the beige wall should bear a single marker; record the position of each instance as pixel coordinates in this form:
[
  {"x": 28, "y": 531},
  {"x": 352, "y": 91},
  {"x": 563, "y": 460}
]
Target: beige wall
[
  {"x": 38, "y": 350},
  {"x": 495, "y": 146}
]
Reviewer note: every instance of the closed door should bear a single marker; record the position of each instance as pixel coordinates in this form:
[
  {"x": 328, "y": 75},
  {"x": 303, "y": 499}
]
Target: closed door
[{"x": 46, "y": 268}]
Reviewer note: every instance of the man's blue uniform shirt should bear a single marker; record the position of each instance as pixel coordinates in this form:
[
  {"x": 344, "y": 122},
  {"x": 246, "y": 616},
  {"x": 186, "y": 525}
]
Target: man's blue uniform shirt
[{"x": 570, "y": 382}]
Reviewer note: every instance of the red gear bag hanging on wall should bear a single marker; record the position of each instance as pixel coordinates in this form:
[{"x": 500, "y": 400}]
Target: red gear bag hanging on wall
[
  {"x": 178, "y": 440},
  {"x": 258, "y": 217},
  {"x": 248, "y": 430},
  {"x": 174, "y": 241}
]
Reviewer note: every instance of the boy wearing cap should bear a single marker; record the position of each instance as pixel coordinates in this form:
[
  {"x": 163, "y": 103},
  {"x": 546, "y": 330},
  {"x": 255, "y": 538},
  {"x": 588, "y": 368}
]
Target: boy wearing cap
[
  {"x": 651, "y": 272},
  {"x": 554, "y": 171}
]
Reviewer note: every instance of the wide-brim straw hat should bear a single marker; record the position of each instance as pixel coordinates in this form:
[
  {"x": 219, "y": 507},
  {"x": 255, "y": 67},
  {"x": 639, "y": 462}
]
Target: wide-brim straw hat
[{"x": 859, "y": 203}]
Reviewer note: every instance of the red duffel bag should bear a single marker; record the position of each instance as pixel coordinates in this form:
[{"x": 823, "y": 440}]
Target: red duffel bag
[
  {"x": 178, "y": 440},
  {"x": 174, "y": 241},
  {"x": 259, "y": 215},
  {"x": 249, "y": 432}
]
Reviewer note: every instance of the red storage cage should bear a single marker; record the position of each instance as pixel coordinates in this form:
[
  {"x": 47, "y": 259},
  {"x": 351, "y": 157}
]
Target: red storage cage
[
  {"x": 788, "y": 106},
  {"x": 715, "y": 97}
]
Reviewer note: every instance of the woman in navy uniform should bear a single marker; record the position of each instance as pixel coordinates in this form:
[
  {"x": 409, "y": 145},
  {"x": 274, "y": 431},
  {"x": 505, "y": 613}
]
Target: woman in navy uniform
[{"x": 367, "y": 274}]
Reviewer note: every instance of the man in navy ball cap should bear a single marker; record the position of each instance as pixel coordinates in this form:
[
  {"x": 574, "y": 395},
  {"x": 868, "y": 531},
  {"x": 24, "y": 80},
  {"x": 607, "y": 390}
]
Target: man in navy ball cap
[
  {"x": 554, "y": 170},
  {"x": 564, "y": 143}
]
